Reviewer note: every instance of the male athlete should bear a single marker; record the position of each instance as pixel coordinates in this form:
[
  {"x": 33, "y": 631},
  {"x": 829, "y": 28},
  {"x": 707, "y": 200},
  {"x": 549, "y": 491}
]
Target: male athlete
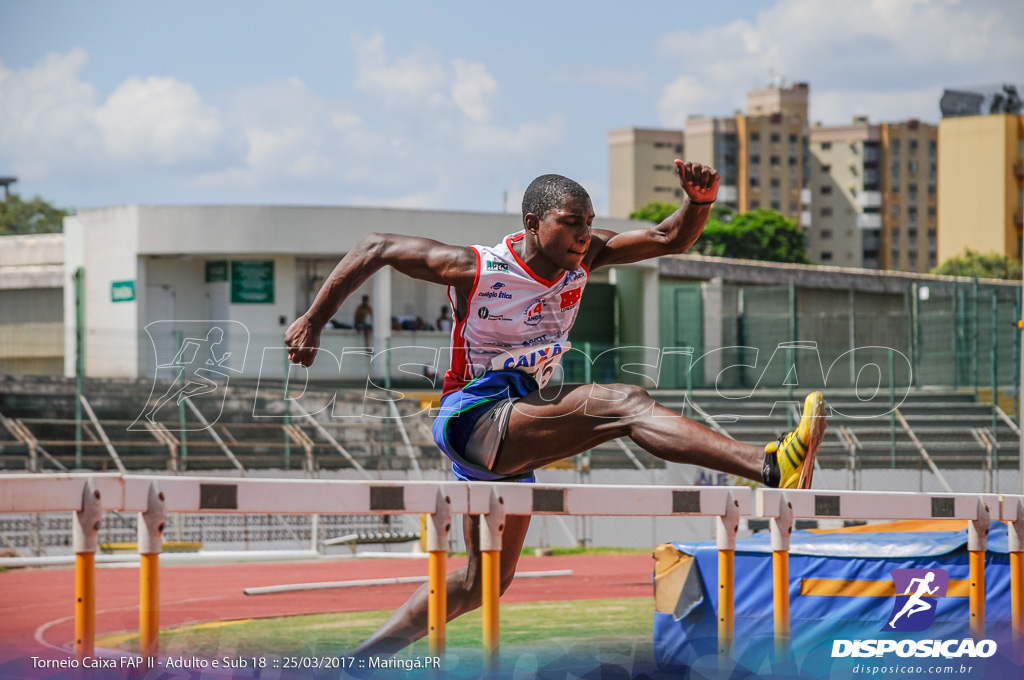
[{"x": 514, "y": 305}]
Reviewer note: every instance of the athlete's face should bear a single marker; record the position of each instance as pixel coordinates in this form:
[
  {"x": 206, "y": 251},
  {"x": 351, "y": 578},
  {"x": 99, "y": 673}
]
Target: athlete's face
[{"x": 564, "y": 232}]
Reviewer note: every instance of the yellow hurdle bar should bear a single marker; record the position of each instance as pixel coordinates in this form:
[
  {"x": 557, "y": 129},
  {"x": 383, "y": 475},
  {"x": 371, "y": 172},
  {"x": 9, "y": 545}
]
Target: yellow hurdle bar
[
  {"x": 781, "y": 530},
  {"x": 726, "y": 526},
  {"x": 1017, "y": 595},
  {"x": 150, "y": 534},
  {"x": 492, "y": 524},
  {"x": 85, "y": 604},
  {"x": 977, "y": 593},
  {"x": 438, "y": 524},
  {"x": 725, "y": 602},
  {"x": 85, "y": 537},
  {"x": 780, "y": 571},
  {"x": 437, "y": 603},
  {"x": 149, "y": 607}
]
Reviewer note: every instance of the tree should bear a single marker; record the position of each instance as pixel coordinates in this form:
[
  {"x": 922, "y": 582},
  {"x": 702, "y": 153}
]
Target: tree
[
  {"x": 982, "y": 266},
  {"x": 30, "y": 217},
  {"x": 755, "y": 235}
]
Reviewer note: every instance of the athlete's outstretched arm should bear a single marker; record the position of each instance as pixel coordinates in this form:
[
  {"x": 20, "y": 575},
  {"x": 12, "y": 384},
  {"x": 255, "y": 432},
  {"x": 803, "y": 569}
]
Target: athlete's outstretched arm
[
  {"x": 420, "y": 258},
  {"x": 675, "y": 235}
]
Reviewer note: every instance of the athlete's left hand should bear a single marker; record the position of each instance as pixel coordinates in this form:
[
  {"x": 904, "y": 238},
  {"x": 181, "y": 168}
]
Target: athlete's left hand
[{"x": 700, "y": 182}]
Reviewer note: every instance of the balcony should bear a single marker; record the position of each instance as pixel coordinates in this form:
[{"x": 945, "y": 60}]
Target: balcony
[
  {"x": 869, "y": 221},
  {"x": 727, "y": 193},
  {"x": 805, "y": 218},
  {"x": 869, "y": 199},
  {"x": 805, "y": 196}
]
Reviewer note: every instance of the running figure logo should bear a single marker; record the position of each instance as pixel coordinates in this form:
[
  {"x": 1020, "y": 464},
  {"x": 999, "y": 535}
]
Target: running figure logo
[
  {"x": 201, "y": 364},
  {"x": 917, "y": 591}
]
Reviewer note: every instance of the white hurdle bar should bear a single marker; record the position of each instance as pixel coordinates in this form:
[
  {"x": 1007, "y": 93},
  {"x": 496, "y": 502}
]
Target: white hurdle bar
[
  {"x": 781, "y": 507},
  {"x": 89, "y": 495},
  {"x": 498, "y": 500}
]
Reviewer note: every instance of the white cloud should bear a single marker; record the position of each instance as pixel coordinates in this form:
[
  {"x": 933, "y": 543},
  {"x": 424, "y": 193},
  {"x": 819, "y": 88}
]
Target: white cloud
[
  {"x": 471, "y": 87},
  {"x": 159, "y": 121},
  {"x": 412, "y": 81},
  {"x": 885, "y": 52}
]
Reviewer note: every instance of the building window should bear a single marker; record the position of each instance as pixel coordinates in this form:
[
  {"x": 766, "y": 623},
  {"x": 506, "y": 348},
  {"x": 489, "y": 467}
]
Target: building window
[
  {"x": 826, "y": 168},
  {"x": 826, "y": 256},
  {"x": 755, "y": 136},
  {"x": 775, "y": 181},
  {"x": 754, "y": 205},
  {"x": 826, "y": 189},
  {"x": 932, "y": 240},
  {"x": 912, "y": 234},
  {"x": 775, "y": 138},
  {"x": 912, "y": 214},
  {"x": 793, "y": 206},
  {"x": 912, "y": 260},
  {"x": 912, "y": 167},
  {"x": 679, "y": 193},
  {"x": 792, "y": 139},
  {"x": 792, "y": 161},
  {"x": 755, "y": 159},
  {"x": 825, "y": 146},
  {"x": 912, "y": 145},
  {"x": 755, "y": 181},
  {"x": 826, "y": 211},
  {"x": 826, "y": 233},
  {"x": 932, "y": 261},
  {"x": 894, "y": 210},
  {"x": 931, "y": 211},
  {"x": 775, "y": 160},
  {"x": 775, "y": 205},
  {"x": 931, "y": 188},
  {"x": 679, "y": 148}
]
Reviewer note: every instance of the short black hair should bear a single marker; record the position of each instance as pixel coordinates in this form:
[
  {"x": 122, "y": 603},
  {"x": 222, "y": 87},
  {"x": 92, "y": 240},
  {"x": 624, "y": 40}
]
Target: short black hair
[{"x": 548, "y": 192}]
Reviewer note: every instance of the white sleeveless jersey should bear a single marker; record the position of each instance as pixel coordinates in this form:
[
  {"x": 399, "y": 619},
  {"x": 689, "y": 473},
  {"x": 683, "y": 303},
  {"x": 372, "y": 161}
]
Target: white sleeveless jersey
[{"x": 515, "y": 319}]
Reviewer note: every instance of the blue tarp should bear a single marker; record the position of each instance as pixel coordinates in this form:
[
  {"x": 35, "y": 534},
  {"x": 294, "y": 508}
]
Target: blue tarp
[{"x": 681, "y": 639}]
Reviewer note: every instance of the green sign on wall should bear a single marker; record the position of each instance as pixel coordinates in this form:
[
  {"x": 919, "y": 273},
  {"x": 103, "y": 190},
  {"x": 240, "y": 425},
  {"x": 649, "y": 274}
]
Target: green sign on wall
[
  {"x": 216, "y": 270},
  {"x": 252, "y": 282},
  {"x": 122, "y": 291}
]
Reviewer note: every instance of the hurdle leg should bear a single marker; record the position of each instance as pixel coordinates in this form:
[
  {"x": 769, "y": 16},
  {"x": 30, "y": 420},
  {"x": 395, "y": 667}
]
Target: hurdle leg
[
  {"x": 781, "y": 530},
  {"x": 150, "y": 536},
  {"x": 85, "y": 529},
  {"x": 491, "y": 527},
  {"x": 1015, "y": 540},
  {"x": 438, "y": 525},
  {"x": 977, "y": 546},
  {"x": 727, "y": 524}
]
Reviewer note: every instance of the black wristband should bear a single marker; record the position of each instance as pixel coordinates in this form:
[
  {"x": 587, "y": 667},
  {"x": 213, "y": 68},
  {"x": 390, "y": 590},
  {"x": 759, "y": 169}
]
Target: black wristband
[{"x": 701, "y": 202}]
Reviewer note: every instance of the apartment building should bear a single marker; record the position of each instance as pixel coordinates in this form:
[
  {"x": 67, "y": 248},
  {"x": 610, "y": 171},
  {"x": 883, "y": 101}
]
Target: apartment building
[
  {"x": 910, "y": 196},
  {"x": 981, "y": 184},
  {"x": 641, "y": 168},
  {"x": 844, "y": 180},
  {"x": 713, "y": 141}
]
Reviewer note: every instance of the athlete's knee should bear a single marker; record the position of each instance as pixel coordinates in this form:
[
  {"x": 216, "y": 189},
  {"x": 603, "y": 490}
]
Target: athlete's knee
[{"x": 618, "y": 400}]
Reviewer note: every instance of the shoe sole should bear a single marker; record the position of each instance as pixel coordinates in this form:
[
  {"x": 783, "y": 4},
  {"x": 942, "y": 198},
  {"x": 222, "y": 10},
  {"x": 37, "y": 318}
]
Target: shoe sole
[{"x": 818, "y": 427}]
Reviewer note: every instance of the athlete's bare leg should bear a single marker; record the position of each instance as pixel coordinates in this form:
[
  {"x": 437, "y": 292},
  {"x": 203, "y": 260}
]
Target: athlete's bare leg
[
  {"x": 409, "y": 622},
  {"x": 561, "y": 421}
]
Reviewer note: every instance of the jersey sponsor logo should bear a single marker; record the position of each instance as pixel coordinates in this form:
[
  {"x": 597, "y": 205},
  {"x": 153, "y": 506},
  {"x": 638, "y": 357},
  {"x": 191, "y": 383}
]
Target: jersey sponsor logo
[
  {"x": 501, "y": 295},
  {"x": 532, "y": 359},
  {"x": 571, "y": 298},
  {"x": 498, "y": 286},
  {"x": 493, "y": 266},
  {"x": 574, "y": 276},
  {"x": 536, "y": 340},
  {"x": 483, "y": 312},
  {"x": 534, "y": 313}
]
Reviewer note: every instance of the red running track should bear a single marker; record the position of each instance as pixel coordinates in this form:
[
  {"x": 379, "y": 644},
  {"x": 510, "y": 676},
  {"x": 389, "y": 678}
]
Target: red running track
[{"x": 40, "y": 602}]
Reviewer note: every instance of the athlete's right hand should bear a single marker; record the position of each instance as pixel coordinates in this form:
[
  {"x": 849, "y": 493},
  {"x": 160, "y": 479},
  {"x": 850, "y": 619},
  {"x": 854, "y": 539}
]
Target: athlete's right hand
[{"x": 303, "y": 341}]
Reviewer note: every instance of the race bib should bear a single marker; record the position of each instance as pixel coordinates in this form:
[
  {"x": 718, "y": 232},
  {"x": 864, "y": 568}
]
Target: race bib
[{"x": 539, "y": 361}]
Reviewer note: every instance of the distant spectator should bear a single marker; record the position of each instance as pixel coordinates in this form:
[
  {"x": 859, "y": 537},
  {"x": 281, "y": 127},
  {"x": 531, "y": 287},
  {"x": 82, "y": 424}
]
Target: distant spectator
[
  {"x": 444, "y": 322},
  {"x": 364, "y": 319}
]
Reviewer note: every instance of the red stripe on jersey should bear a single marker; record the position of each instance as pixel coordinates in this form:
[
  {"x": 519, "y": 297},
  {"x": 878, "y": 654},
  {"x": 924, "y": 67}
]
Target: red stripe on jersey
[
  {"x": 455, "y": 378},
  {"x": 516, "y": 239}
]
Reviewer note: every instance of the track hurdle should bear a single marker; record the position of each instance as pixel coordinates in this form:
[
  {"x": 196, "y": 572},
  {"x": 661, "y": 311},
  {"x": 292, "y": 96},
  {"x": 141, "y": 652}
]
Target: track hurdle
[
  {"x": 1012, "y": 512},
  {"x": 781, "y": 507},
  {"x": 88, "y": 495},
  {"x": 496, "y": 501}
]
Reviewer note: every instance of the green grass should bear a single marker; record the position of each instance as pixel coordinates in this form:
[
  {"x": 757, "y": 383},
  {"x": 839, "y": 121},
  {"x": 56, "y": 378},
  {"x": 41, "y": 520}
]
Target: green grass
[{"x": 547, "y": 630}]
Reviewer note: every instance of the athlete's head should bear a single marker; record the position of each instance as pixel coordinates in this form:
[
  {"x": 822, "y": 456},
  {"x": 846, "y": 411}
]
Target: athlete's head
[
  {"x": 548, "y": 192},
  {"x": 557, "y": 216}
]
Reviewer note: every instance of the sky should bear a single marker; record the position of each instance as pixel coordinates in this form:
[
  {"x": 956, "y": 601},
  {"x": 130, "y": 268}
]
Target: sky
[{"x": 454, "y": 105}]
